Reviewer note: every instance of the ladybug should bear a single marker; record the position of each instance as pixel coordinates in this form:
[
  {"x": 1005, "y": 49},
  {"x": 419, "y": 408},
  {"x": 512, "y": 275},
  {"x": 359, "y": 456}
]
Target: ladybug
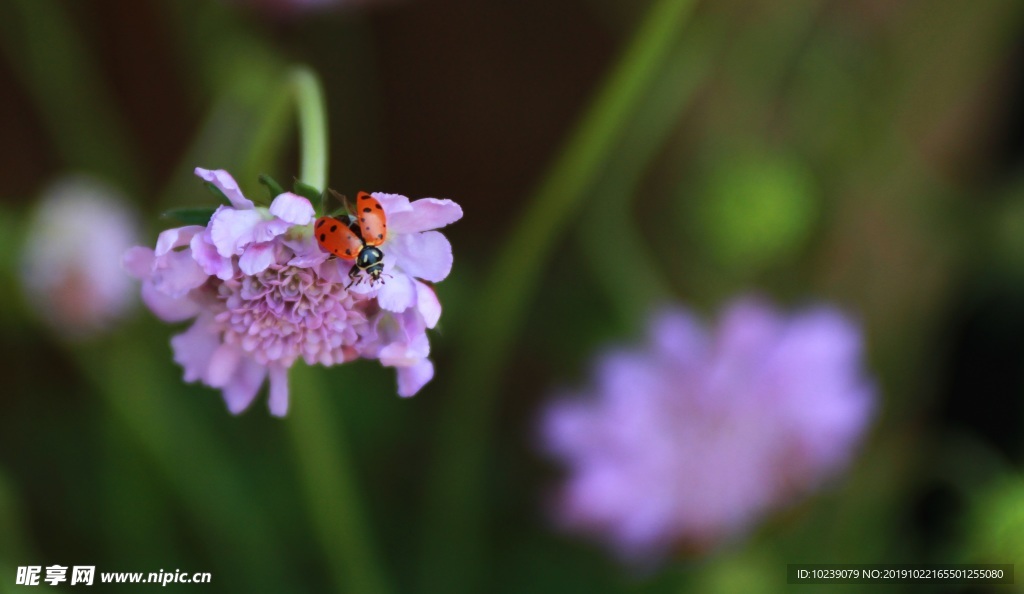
[{"x": 357, "y": 237}]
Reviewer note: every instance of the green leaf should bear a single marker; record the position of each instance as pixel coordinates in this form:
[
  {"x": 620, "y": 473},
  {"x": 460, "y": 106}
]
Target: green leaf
[
  {"x": 198, "y": 215},
  {"x": 320, "y": 204},
  {"x": 273, "y": 187},
  {"x": 217, "y": 193},
  {"x": 306, "y": 190}
]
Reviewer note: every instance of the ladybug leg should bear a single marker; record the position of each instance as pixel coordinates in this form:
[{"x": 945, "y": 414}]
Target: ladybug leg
[{"x": 353, "y": 274}]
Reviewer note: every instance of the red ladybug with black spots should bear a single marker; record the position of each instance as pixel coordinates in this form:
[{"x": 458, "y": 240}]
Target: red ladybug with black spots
[{"x": 358, "y": 238}]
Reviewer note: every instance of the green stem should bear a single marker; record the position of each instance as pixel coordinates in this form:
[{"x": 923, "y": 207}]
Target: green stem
[
  {"x": 455, "y": 507},
  {"x": 260, "y": 123},
  {"x": 309, "y": 100},
  {"x": 319, "y": 446},
  {"x": 328, "y": 479}
]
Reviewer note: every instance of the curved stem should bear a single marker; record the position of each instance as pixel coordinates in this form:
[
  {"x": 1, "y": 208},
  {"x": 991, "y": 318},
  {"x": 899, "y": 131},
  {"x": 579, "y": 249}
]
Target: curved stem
[
  {"x": 455, "y": 506},
  {"x": 309, "y": 100}
]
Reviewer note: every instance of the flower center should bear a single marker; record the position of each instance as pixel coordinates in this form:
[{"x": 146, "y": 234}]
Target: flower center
[{"x": 285, "y": 313}]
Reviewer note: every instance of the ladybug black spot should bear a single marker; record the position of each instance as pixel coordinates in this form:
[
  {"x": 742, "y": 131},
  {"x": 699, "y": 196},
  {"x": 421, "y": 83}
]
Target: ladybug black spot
[
  {"x": 380, "y": 236},
  {"x": 334, "y": 228},
  {"x": 348, "y": 252},
  {"x": 323, "y": 237},
  {"x": 362, "y": 219},
  {"x": 367, "y": 209},
  {"x": 320, "y": 224},
  {"x": 367, "y": 228},
  {"x": 378, "y": 207}
]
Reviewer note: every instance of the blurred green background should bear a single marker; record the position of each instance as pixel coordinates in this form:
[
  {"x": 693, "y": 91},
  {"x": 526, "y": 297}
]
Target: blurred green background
[{"x": 609, "y": 156}]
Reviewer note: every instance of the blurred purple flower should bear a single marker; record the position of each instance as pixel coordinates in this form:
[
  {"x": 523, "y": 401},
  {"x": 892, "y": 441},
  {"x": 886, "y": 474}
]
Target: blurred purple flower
[
  {"x": 70, "y": 266},
  {"x": 690, "y": 439},
  {"x": 264, "y": 295}
]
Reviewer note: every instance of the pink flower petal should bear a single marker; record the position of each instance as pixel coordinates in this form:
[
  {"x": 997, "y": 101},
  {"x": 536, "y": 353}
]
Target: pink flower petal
[
  {"x": 293, "y": 209},
  {"x": 194, "y": 347},
  {"x": 397, "y": 294},
  {"x": 176, "y": 273},
  {"x": 256, "y": 258},
  {"x": 427, "y": 304},
  {"x": 404, "y": 354},
  {"x": 414, "y": 377},
  {"x": 206, "y": 255},
  {"x": 176, "y": 238},
  {"x": 227, "y": 184},
  {"x": 223, "y": 364},
  {"x": 267, "y": 230},
  {"x": 363, "y": 288},
  {"x": 167, "y": 308},
  {"x": 231, "y": 230},
  {"x": 242, "y": 389},
  {"x": 278, "y": 402},
  {"x": 307, "y": 252},
  {"x": 414, "y": 327},
  {"x": 426, "y": 214},
  {"x": 335, "y": 271},
  {"x": 392, "y": 203},
  {"x": 138, "y": 262},
  {"x": 309, "y": 260},
  {"x": 423, "y": 255}
]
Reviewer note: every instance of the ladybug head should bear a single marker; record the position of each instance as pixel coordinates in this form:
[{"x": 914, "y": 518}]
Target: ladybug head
[
  {"x": 370, "y": 261},
  {"x": 370, "y": 257}
]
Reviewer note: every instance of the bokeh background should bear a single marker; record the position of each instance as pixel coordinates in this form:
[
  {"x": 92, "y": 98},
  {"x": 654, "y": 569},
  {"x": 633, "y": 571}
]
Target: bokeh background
[{"x": 609, "y": 156}]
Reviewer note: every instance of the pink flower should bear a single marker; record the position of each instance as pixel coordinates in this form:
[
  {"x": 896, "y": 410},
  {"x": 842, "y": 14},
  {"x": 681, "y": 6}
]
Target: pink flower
[
  {"x": 692, "y": 438},
  {"x": 264, "y": 295},
  {"x": 70, "y": 264}
]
